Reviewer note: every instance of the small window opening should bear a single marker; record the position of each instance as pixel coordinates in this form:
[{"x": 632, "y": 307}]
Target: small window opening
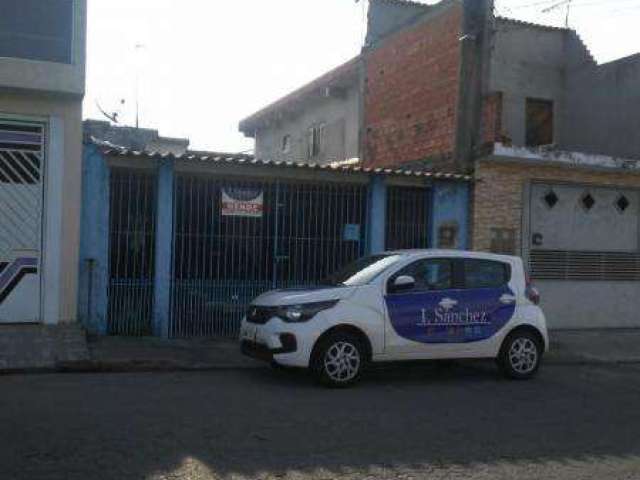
[
  {"x": 286, "y": 144},
  {"x": 551, "y": 199},
  {"x": 315, "y": 140},
  {"x": 622, "y": 203},
  {"x": 539, "y": 122},
  {"x": 587, "y": 201}
]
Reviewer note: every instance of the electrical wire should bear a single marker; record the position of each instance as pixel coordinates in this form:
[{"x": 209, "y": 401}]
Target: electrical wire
[{"x": 574, "y": 3}]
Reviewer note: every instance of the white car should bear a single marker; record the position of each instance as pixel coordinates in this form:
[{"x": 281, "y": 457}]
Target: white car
[{"x": 403, "y": 305}]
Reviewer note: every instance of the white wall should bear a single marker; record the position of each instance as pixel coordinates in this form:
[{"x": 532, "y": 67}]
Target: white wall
[
  {"x": 48, "y": 76},
  {"x": 342, "y": 118},
  {"x": 595, "y": 304},
  {"x": 62, "y": 196}
]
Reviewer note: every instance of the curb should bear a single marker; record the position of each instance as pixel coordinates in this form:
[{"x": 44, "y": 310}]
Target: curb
[
  {"x": 584, "y": 361},
  {"x": 91, "y": 366},
  {"x": 128, "y": 367},
  {"x": 151, "y": 366}
]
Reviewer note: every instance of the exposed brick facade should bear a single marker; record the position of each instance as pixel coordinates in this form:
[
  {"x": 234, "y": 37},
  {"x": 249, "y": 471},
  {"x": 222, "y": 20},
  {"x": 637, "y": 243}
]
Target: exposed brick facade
[
  {"x": 498, "y": 199},
  {"x": 411, "y": 92},
  {"x": 492, "y": 119}
]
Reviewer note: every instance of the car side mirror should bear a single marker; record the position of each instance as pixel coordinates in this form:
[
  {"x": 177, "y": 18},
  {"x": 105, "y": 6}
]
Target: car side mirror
[{"x": 403, "y": 283}]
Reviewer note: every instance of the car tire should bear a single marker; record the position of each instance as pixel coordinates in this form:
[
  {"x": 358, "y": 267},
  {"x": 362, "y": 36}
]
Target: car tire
[
  {"x": 339, "y": 360},
  {"x": 520, "y": 355}
]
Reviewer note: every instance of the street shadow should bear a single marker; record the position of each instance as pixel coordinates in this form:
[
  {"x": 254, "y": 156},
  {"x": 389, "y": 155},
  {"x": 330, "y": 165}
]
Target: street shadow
[
  {"x": 387, "y": 374},
  {"x": 256, "y": 422}
]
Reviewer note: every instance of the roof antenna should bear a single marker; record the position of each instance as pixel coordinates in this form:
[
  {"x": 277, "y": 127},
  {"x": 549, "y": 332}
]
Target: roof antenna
[
  {"x": 138, "y": 47},
  {"x": 113, "y": 117},
  {"x": 560, "y": 4}
]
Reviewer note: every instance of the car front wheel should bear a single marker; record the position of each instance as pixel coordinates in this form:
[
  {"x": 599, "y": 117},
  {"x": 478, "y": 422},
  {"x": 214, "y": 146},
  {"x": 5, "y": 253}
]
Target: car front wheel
[
  {"x": 520, "y": 355},
  {"x": 339, "y": 360}
]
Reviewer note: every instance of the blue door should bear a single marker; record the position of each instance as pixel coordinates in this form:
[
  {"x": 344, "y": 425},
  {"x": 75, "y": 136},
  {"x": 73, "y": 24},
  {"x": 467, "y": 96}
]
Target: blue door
[{"x": 453, "y": 301}]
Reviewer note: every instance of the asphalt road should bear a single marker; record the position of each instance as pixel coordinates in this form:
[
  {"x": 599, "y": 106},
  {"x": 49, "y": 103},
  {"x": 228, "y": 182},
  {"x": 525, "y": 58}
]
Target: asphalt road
[{"x": 423, "y": 421}]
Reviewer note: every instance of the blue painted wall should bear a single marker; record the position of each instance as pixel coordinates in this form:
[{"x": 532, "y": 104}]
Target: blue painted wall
[
  {"x": 164, "y": 250},
  {"x": 450, "y": 206},
  {"x": 94, "y": 242},
  {"x": 376, "y": 231}
]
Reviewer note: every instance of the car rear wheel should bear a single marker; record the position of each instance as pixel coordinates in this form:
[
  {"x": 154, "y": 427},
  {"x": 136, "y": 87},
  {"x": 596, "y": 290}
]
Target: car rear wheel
[
  {"x": 339, "y": 360},
  {"x": 520, "y": 355}
]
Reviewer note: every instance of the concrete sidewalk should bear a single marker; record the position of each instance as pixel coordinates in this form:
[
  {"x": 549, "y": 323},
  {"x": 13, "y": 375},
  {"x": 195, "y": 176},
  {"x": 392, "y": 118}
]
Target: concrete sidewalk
[
  {"x": 613, "y": 346},
  {"x": 125, "y": 354},
  {"x": 37, "y": 347},
  {"x": 154, "y": 354},
  {"x": 568, "y": 347}
]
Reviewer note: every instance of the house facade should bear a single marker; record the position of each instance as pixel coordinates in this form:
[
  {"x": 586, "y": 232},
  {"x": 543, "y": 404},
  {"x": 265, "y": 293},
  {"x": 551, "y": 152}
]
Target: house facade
[
  {"x": 548, "y": 134},
  {"x": 176, "y": 243},
  {"x": 563, "y": 173},
  {"x": 318, "y": 123},
  {"x": 42, "y": 81}
]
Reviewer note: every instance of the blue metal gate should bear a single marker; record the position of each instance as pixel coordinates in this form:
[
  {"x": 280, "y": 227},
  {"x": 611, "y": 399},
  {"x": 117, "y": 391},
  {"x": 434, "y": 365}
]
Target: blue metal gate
[
  {"x": 131, "y": 245},
  {"x": 407, "y": 217},
  {"x": 236, "y": 239}
]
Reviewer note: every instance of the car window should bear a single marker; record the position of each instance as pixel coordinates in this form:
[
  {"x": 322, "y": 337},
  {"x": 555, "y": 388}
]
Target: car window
[
  {"x": 429, "y": 274},
  {"x": 362, "y": 271},
  {"x": 485, "y": 273}
]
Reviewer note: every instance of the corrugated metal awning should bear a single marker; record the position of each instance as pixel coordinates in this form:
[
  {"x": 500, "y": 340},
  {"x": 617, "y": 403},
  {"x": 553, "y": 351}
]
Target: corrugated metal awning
[{"x": 249, "y": 160}]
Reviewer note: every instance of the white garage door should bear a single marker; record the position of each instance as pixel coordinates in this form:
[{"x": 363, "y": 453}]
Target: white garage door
[
  {"x": 21, "y": 163},
  {"x": 584, "y": 254}
]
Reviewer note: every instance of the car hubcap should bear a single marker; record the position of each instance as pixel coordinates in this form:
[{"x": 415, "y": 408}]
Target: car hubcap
[
  {"x": 523, "y": 355},
  {"x": 342, "y": 362}
]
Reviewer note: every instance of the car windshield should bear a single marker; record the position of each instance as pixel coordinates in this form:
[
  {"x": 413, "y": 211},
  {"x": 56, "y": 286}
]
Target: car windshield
[{"x": 362, "y": 271}]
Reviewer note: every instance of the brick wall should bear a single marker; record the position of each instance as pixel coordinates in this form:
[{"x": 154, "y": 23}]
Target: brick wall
[
  {"x": 499, "y": 189},
  {"x": 411, "y": 92},
  {"x": 492, "y": 119}
]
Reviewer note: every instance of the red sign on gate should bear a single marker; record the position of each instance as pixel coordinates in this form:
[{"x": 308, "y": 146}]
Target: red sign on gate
[{"x": 242, "y": 202}]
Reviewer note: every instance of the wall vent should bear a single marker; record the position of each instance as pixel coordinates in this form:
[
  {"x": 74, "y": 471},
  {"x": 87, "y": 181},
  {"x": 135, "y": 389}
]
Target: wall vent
[{"x": 588, "y": 266}]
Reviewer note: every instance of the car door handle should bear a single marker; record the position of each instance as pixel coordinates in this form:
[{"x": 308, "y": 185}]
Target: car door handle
[
  {"x": 507, "y": 299},
  {"x": 448, "y": 303}
]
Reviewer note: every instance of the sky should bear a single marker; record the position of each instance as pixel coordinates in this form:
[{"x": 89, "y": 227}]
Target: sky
[{"x": 200, "y": 66}]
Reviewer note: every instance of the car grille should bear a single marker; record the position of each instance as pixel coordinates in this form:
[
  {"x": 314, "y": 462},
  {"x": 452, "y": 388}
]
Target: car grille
[{"x": 261, "y": 315}]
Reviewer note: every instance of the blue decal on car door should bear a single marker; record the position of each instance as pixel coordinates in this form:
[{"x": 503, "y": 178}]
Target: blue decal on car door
[
  {"x": 432, "y": 314},
  {"x": 450, "y": 316}
]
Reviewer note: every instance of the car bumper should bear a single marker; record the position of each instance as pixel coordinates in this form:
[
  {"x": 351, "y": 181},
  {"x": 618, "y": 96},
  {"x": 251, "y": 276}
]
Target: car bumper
[
  {"x": 288, "y": 344},
  {"x": 256, "y": 350}
]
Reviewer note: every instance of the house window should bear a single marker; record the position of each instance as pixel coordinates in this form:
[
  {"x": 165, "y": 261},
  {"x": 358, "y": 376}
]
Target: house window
[
  {"x": 286, "y": 144},
  {"x": 539, "y": 122},
  {"x": 315, "y": 140},
  {"x": 37, "y": 30}
]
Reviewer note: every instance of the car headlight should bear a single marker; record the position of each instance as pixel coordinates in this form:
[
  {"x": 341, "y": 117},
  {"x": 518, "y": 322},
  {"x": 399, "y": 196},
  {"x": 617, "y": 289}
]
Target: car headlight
[{"x": 304, "y": 312}]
